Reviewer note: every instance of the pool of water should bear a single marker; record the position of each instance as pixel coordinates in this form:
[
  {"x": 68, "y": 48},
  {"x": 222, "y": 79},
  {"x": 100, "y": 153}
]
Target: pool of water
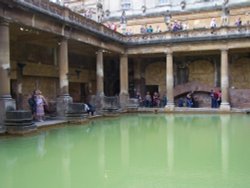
[{"x": 133, "y": 151}]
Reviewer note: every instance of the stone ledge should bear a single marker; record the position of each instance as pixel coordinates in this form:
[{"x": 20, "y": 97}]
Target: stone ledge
[{"x": 19, "y": 130}]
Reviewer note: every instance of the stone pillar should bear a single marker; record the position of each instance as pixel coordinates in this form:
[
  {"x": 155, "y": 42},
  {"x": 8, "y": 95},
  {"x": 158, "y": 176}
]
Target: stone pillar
[
  {"x": 6, "y": 102},
  {"x": 225, "y": 106},
  {"x": 123, "y": 80},
  {"x": 99, "y": 73},
  {"x": 64, "y": 99},
  {"x": 169, "y": 81},
  {"x": 137, "y": 77},
  {"x": 99, "y": 80},
  {"x": 19, "y": 99}
]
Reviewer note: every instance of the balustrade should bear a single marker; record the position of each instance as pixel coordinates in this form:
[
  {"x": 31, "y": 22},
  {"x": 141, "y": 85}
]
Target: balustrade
[{"x": 192, "y": 34}]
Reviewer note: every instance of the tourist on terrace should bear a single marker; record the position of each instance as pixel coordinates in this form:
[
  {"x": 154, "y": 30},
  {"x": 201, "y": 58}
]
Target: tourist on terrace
[
  {"x": 113, "y": 26},
  {"x": 143, "y": 30},
  {"x": 213, "y": 23},
  {"x": 238, "y": 22},
  {"x": 150, "y": 29},
  {"x": 158, "y": 29}
]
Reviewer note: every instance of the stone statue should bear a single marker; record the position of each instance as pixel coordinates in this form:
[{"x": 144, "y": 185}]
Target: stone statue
[
  {"x": 225, "y": 13},
  {"x": 123, "y": 19}
]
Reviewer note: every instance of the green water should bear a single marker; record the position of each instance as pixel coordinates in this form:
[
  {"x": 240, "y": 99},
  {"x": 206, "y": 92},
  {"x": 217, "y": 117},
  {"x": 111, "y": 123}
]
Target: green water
[{"x": 133, "y": 151}]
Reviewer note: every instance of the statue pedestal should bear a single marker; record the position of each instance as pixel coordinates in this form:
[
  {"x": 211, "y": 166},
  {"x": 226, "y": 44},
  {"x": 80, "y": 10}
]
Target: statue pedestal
[
  {"x": 169, "y": 107},
  {"x": 6, "y": 104},
  {"x": 19, "y": 122},
  {"x": 62, "y": 105},
  {"x": 124, "y": 97},
  {"x": 225, "y": 107}
]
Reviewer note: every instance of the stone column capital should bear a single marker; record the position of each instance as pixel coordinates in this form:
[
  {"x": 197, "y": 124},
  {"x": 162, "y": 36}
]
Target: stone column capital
[
  {"x": 124, "y": 55},
  {"x": 99, "y": 51},
  {"x": 224, "y": 49},
  {"x": 168, "y": 51}
]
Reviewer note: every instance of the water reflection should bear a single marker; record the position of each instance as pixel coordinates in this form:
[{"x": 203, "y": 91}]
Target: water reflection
[
  {"x": 170, "y": 142},
  {"x": 225, "y": 119},
  {"x": 142, "y": 151}
]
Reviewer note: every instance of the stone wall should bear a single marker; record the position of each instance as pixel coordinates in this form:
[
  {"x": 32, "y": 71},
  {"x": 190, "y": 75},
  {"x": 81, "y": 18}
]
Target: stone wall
[
  {"x": 202, "y": 72},
  {"x": 240, "y": 74},
  {"x": 155, "y": 74},
  {"x": 239, "y": 98}
]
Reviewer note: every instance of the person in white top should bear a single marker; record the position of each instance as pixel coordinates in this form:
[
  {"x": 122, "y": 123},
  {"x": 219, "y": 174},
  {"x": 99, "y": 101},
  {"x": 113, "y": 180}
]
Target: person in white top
[{"x": 213, "y": 23}]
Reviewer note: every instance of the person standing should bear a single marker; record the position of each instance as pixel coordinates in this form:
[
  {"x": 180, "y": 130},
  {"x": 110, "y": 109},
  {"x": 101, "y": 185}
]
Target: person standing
[
  {"x": 40, "y": 102},
  {"x": 32, "y": 104}
]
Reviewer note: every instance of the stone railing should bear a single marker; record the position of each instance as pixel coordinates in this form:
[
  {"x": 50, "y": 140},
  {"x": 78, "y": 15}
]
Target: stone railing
[
  {"x": 68, "y": 15},
  {"x": 189, "y": 35},
  {"x": 197, "y": 34}
]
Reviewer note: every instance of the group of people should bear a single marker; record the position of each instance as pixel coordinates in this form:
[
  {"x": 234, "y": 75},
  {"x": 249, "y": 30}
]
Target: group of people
[
  {"x": 39, "y": 106},
  {"x": 149, "y": 29},
  {"x": 213, "y": 23},
  {"x": 189, "y": 101},
  {"x": 215, "y": 98},
  {"x": 151, "y": 100}
]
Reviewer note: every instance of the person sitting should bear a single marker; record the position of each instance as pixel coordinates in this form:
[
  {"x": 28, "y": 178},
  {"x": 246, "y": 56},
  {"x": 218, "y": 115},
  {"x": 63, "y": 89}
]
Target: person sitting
[
  {"x": 189, "y": 100},
  {"x": 89, "y": 108}
]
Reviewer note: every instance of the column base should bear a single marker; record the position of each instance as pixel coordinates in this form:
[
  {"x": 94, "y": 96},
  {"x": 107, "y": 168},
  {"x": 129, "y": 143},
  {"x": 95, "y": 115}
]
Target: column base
[
  {"x": 6, "y": 104},
  {"x": 62, "y": 104},
  {"x": 169, "y": 107},
  {"x": 99, "y": 103},
  {"x": 2, "y": 129},
  {"x": 225, "y": 107},
  {"x": 123, "y": 100}
]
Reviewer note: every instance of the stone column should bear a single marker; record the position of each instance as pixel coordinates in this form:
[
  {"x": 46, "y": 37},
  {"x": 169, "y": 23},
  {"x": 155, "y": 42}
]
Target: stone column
[
  {"x": 123, "y": 80},
  {"x": 99, "y": 73},
  {"x": 99, "y": 80},
  {"x": 225, "y": 106},
  {"x": 64, "y": 99},
  {"x": 169, "y": 81},
  {"x": 139, "y": 81},
  {"x": 6, "y": 102}
]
